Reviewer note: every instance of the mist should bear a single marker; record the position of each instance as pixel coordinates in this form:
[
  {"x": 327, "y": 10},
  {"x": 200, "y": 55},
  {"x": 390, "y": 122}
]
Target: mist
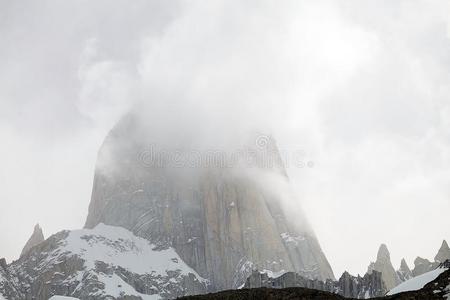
[{"x": 360, "y": 89}]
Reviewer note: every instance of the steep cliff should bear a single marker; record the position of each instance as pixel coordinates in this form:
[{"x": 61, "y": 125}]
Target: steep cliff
[
  {"x": 222, "y": 220},
  {"x": 383, "y": 264},
  {"x": 443, "y": 253}
]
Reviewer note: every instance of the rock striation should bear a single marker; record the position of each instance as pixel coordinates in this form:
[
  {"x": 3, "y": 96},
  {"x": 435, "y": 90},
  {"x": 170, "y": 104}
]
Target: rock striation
[
  {"x": 222, "y": 221},
  {"x": 36, "y": 238}
]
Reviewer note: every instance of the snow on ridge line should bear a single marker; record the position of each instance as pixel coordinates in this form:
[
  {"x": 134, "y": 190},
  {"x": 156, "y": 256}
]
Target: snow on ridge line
[
  {"x": 62, "y": 298},
  {"x": 418, "y": 282},
  {"x": 119, "y": 247}
]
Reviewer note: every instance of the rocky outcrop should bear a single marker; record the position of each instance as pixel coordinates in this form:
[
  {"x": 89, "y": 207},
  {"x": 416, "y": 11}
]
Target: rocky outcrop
[
  {"x": 8, "y": 283},
  {"x": 383, "y": 264},
  {"x": 443, "y": 253},
  {"x": 36, "y": 238},
  {"x": 422, "y": 265},
  {"x": 103, "y": 263},
  {"x": 404, "y": 273},
  {"x": 369, "y": 286},
  {"x": 220, "y": 220}
]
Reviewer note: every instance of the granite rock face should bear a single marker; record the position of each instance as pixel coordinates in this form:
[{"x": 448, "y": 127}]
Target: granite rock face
[
  {"x": 369, "y": 286},
  {"x": 422, "y": 265},
  {"x": 384, "y": 266},
  {"x": 443, "y": 253},
  {"x": 102, "y": 263},
  {"x": 36, "y": 238},
  {"x": 404, "y": 273},
  {"x": 220, "y": 220}
]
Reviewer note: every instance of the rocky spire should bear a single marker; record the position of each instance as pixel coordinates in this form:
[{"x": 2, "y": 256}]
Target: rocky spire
[
  {"x": 36, "y": 238},
  {"x": 383, "y": 264},
  {"x": 404, "y": 273},
  {"x": 443, "y": 253}
]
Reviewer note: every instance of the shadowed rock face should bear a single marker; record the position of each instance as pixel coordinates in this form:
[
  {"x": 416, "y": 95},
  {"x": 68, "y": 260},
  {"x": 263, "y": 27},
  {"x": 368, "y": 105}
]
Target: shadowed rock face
[
  {"x": 221, "y": 220},
  {"x": 36, "y": 238}
]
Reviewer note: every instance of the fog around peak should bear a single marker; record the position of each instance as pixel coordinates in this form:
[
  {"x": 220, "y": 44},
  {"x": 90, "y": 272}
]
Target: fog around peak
[{"x": 360, "y": 88}]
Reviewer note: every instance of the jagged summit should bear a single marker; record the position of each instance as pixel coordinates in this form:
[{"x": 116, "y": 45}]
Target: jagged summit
[
  {"x": 383, "y": 253},
  {"x": 36, "y": 238},
  {"x": 443, "y": 253},
  {"x": 404, "y": 273},
  {"x": 383, "y": 264}
]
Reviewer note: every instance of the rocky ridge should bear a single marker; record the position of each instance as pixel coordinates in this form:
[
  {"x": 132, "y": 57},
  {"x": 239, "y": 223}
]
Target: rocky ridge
[
  {"x": 369, "y": 286},
  {"x": 102, "y": 263}
]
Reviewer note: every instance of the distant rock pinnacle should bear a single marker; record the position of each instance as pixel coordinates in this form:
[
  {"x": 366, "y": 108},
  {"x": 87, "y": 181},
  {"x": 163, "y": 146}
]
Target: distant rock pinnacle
[
  {"x": 404, "y": 273},
  {"x": 36, "y": 238},
  {"x": 383, "y": 264},
  {"x": 443, "y": 253}
]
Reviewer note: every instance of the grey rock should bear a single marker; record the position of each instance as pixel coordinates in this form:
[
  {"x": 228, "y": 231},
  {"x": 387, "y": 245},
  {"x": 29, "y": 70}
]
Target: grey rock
[
  {"x": 369, "y": 286},
  {"x": 422, "y": 265},
  {"x": 443, "y": 253},
  {"x": 36, "y": 238},
  {"x": 404, "y": 273},
  {"x": 9, "y": 285},
  {"x": 384, "y": 266},
  {"x": 219, "y": 219}
]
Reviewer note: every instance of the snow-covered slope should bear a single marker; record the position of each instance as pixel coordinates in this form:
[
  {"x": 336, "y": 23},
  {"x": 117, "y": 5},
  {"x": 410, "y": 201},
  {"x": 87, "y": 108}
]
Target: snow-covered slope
[
  {"x": 106, "y": 262},
  {"x": 417, "y": 282}
]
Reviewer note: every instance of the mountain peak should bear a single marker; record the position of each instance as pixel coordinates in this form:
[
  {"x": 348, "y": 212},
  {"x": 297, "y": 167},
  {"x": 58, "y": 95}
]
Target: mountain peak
[
  {"x": 36, "y": 238},
  {"x": 404, "y": 266},
  {"x": 443, "y": 253},
  {"x": 383, "y": 253},
  {"x": 383, "y": 264}
]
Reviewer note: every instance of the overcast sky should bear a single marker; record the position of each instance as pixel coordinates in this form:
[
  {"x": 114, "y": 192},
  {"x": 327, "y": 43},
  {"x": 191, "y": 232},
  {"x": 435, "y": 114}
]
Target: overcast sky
[{"x": 362, "y": 87}]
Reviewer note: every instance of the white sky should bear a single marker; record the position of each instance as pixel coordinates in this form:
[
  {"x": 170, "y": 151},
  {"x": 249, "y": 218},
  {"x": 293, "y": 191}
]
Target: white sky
[{"x": 363, "y": 87}]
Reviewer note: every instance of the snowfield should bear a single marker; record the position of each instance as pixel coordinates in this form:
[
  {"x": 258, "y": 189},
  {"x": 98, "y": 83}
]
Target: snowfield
[
  {"x": 117, "y": 246},
  {"x": 417, "y": 282}
]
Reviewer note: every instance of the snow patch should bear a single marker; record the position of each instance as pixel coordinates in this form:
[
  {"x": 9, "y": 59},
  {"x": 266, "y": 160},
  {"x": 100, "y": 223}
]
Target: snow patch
[
  {"x": 417, "y": 282},
  {"x": 62, "y": 298},
  {"x": 117, "y": 246},
  {"x": 273, "y": 274},
  {"x": 116, "y": 287},
  {"x": 287, "y": 238}
]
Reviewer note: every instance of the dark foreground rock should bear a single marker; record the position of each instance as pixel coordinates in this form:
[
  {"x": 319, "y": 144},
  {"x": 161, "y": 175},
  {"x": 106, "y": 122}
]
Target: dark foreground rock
[
  {"x": 436, "y": 289},
  {"x": 266, "y": 293}
]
